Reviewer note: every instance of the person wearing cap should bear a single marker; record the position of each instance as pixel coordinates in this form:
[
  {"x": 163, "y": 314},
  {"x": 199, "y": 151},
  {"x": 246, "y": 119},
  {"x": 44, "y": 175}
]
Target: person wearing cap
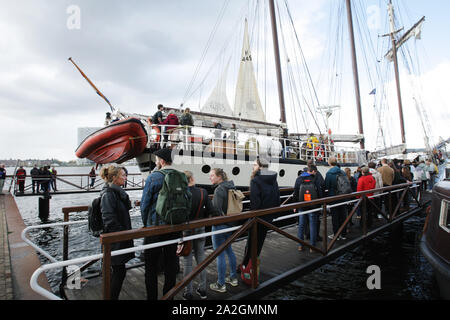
[{"x": 153, "y": 185}]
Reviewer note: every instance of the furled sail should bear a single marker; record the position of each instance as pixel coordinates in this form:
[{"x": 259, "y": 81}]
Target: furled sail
[
  {"x": 247, "y": 103},
  {"x": 217, "y": 102}
]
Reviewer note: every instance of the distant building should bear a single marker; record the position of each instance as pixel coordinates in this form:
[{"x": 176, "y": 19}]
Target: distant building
[{"x": 82, "y": 134}]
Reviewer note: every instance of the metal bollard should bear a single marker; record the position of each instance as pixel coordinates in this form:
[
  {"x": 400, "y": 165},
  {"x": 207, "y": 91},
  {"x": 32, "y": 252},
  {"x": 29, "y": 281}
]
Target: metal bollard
[{"x": 44, "y": 207}]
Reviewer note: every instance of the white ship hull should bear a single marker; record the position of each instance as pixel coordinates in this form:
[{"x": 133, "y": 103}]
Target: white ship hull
[{"x": 238, "y": 169}]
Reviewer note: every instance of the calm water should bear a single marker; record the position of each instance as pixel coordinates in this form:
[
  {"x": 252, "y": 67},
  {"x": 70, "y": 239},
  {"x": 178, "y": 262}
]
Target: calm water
[{"x": 405, "y": 273}]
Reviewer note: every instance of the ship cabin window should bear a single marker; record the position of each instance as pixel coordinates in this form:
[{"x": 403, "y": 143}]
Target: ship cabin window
[
  {"x": 236, "y": 171},
  {"x": 282, "y": 173},
  {"x": 206, "y": 169},
  {"x": 444, "y": 221}
]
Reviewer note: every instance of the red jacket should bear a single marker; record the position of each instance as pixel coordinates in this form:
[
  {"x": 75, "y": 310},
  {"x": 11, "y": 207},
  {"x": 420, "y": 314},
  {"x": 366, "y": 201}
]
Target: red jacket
[
  {"x": 366, "y": 183},
  {"x": 21, "y": 174},
  {"x": 171, "y": 122}
]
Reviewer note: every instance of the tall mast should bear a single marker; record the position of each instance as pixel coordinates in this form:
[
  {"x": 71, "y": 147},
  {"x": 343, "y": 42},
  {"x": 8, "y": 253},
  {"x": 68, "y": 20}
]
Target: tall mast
[
  {"x": 397, "y": 75},
  {"x": 277, "y": 61},
  {"x": 355, "y": 70}
]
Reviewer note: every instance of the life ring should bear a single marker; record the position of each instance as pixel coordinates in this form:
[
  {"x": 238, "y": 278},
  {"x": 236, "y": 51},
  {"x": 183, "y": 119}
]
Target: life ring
[
  {"x": 319, "y": 153},
  {"x": 251, "y": 141}
]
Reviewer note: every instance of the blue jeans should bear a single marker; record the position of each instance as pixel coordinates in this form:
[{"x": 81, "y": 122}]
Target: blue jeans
[
  {"x": 198, "y": 250},
  {"x": 313, "y": 221},
  {"x": 217, "y": 241}
]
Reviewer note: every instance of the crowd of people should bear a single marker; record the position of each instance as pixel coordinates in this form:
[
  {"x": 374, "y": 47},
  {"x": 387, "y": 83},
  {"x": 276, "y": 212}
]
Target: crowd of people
[
  {"x": 264, "y": 193},
  {"x": 43, "y": 179}
]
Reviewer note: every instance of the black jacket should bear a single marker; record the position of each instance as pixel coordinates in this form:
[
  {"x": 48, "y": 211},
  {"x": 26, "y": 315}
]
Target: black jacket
[
  {"x": 318, "y": 182},
  {"x": 115, "y": 206},
  {"x": 264, "y": 192},
  {"x": 207, "y": 208}
]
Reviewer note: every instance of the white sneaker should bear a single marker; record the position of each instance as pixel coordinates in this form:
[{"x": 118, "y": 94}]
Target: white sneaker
[
  {"x": 217, "y": 287},
  {"x": 233, "y": 282}
]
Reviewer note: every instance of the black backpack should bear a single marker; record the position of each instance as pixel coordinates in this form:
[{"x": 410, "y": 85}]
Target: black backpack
[
  {"x": 343, "y": 185},
  {"x": 95, "y": 220},
  {"x": 308, "y": 190}
]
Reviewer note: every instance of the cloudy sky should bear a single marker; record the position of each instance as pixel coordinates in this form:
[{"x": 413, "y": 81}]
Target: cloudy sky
[{"x": 142, "y": 53}]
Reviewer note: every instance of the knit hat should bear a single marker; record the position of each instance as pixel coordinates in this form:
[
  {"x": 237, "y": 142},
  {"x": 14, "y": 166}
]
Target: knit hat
[{"x": 165, "y": 154}]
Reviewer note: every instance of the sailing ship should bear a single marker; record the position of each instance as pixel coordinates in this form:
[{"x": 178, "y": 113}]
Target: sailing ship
[{"x": 244, "y": 132}]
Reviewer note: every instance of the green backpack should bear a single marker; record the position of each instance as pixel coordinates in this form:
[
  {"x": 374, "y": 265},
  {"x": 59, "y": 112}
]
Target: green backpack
[{"x": 174, "y": 198}]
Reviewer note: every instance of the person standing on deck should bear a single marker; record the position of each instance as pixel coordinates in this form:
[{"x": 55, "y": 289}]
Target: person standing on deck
[
  {"x": 378, "y": 184},
  {"x": 264, "y": 193},
  {"x": 202, "y": 208},
  {"x": 366, "y": 182},
  {"x": 21, "y": 175},
  {"x": 339, "y": 213},
  {"x": 35, "y": 179},
  {"x": 92, "y": 176},
  {"x": 153, "y": 186},
  {"x": 115, "y": 205},
  {"x": 54, "y": 173},
  {"x": 310, "y": 181},
  {"x": 433, "y": 172},
  {"x": 2, "y": 177},
  {"x": 219, "y": 179},
  {"x": 170, "y": 123},
  {"x": 387, "y": 175}
]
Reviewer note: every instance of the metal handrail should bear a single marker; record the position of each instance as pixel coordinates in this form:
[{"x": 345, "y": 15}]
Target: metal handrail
[{"x": 345, "y": 154}]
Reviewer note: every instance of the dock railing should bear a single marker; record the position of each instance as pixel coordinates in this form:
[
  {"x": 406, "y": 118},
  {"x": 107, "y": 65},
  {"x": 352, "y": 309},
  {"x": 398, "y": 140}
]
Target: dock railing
[
  {"x": 67, "y": 183},
  {"x": 251, "y": 218}
]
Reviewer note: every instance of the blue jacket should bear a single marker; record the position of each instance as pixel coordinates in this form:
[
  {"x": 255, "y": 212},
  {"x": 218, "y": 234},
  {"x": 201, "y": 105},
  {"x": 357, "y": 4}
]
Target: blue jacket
[
  {"x": 331, "y": 180},
  {"x": 153, "y": 185}
]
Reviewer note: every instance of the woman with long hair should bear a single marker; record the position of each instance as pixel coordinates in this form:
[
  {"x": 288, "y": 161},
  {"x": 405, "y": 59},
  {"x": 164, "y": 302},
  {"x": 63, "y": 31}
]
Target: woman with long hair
[
  {"x": 115, "y": 206},
  {"x": 219, "y": 179}
]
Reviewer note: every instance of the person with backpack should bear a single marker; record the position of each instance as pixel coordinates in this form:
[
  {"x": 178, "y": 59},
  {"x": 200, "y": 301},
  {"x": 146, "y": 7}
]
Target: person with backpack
[
  {"x": 157, "y": 208},
  {"x": 115, "y": 205},
  {"x": 264, "y": 193},
  {"x": 219, "y": 179},
  {"x": 202, "y": 208},
  {"x": 307, "y": 188},
  {"x": 337, "y": 183}
]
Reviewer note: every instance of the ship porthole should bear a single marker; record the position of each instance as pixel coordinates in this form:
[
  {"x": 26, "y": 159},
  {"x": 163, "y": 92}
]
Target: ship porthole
[
  {"x": 282, "y": 173},
  {"x": 236, "y": 171},
  {"x": 206, "y": 169}
]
